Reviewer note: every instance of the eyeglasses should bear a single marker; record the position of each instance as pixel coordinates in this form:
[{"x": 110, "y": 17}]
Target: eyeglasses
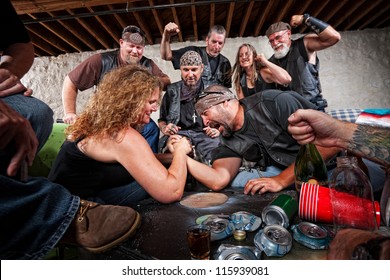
[
  {"x": 205, "y": 93},
  {"x": 277, "y": 37},
  {"x": 133, "y": 29}
]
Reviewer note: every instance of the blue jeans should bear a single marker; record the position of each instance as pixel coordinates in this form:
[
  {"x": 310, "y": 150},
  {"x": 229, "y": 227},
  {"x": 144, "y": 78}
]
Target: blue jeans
[
  {"x": 37, "y": 113},
  {"x": 33, "y": 216},
  {"x": 151, "y": 133},
  {"x": 377, "y": 175},
  {"x": 127, "y": 195}
]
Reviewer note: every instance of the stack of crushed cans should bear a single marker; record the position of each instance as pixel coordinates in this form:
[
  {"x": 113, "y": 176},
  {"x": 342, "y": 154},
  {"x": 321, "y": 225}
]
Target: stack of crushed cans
[{"x": 274, "y": 238}]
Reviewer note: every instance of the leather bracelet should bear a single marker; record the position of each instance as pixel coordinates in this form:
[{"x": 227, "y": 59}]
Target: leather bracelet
[{"x": 314, "y": 23}]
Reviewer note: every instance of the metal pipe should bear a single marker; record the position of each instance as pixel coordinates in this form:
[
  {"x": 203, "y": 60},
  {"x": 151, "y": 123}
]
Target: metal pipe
[{"x": 136, "y": 9}]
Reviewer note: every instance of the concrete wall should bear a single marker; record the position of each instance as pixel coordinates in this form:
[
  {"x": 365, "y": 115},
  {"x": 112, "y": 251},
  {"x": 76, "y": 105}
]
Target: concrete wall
[{"x": 355, "y": 73}]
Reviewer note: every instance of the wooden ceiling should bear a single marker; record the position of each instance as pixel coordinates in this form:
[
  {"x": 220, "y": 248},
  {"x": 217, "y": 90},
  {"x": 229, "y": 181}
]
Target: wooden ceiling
[{"x": 57, "y": 27}]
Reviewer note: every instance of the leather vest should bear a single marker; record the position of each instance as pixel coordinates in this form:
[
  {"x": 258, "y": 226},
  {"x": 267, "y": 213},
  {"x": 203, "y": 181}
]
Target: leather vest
[
  {"x": 260, "y": 84},
  {"x": 304, "y": 75},
  {"x": 274, "y": 142},
  {"x": 221, "y": 75},
  {"x": 173, "y": 92},
  {"x": 110, "y": 61}
]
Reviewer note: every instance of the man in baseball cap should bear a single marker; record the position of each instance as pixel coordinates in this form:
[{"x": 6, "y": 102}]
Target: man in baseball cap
[{"x": 299, "y": 57}]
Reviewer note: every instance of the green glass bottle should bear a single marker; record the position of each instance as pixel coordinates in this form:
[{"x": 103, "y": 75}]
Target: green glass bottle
[{"x": 310, "y": 167}]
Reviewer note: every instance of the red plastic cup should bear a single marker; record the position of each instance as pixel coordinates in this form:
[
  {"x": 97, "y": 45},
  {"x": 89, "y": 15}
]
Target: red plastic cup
[{"x": 315, "y": 205}]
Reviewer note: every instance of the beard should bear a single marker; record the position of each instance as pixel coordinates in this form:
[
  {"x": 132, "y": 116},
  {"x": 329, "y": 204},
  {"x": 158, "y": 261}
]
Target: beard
[
  {"x": 283, "y": 52},
  {"x": 131, "y": 60}
]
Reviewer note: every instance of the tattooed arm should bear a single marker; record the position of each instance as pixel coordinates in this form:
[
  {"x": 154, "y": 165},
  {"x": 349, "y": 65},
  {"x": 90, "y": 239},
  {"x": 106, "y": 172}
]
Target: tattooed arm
[{"x": 366, "y": 141}]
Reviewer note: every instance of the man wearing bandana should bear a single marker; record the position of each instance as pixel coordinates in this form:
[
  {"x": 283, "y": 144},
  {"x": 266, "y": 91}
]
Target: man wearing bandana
[
  {"x": 88, "y": 74},
  {"x": 177, "y": 111},
  {"x": 217, "y": 67},
  {"x": 299, "y": 57}
]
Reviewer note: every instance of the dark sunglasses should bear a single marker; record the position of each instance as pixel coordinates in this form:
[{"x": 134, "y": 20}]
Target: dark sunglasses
[
  {"x": 205, "y": 93},
  {"x": 133, "y": 29}
]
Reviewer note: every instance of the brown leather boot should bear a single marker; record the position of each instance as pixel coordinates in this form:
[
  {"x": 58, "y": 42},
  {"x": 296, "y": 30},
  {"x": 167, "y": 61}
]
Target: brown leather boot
[{"x": 98, "y": 228}]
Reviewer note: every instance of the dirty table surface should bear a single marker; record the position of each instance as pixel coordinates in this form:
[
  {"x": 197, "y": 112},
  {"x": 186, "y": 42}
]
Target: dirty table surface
[{"x": 162, "y": 234}]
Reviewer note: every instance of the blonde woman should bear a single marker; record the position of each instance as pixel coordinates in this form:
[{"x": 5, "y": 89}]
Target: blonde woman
[
  {"x": 252, "y": 72},
  {"x": 107, "y": 160}
]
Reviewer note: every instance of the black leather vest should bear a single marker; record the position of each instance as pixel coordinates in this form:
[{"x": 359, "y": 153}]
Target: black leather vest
[
  {"x": 304, "y": 75},
  {"x": 110, "y": 61},
  {"x": 274, "y": 142},
  {"x": 222, "y": 73}
]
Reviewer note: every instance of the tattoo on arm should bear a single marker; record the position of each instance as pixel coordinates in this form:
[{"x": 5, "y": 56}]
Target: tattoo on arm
[{"x": 372, "y": 143}]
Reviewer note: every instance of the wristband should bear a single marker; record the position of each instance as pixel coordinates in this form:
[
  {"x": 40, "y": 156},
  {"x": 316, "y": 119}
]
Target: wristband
[{"x": 315, "y": 24}]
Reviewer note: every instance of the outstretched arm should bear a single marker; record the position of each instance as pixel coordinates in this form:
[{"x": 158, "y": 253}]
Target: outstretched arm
[{"x": 366, "y": 141}]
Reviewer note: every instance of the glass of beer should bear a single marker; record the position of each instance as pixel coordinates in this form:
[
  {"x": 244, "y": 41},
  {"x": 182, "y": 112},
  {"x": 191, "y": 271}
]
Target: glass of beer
[{"x": 198, "y": 239}]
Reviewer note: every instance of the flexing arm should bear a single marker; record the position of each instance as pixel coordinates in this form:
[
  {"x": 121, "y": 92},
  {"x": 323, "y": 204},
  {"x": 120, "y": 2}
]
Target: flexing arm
[
  {"x": 326, "y": 35},
  {"x": 165, "y": 47},
  {"x": 16, "y": 129},
  {"x": 69, "y": 96},
  {"x": 366, "y": 141},
  {"x": 271, "y": 73}
]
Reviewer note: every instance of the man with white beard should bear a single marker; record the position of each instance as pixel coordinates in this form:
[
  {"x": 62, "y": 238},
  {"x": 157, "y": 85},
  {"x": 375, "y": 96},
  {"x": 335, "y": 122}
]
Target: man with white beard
[{"x": 299, "y": 57}]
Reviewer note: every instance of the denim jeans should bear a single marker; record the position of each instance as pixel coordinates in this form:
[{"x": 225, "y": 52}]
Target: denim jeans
[
  {"x": 377, "y": 175},
  {"x": 36, "y": 112},
  {"x": 127, "y": 195},
  {"x": 33, "y": 216},
  {"x": 151, "y": 133}
]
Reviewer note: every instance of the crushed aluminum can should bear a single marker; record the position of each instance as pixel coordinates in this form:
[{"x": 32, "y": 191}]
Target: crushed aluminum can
[
  {"x": 219, "y": 228},
  {"x": 311, "y": 235},
  {"x": 280, "y": 211},
  {"x": 243, "y": 220},
  {"x": 232, "y": 252},
  {"x": 274, "y": 240}
]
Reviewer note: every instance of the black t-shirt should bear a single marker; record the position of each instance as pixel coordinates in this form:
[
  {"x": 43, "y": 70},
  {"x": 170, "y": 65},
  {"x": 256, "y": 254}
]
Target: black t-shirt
[{"x": 12, "y": 28}]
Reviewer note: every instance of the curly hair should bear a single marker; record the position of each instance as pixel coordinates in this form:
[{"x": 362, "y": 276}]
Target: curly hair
[
  {"x": 118, "y": 103},
  {"x": 238, "y": 71}
]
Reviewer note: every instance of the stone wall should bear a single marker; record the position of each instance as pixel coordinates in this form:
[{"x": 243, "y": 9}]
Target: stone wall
[{"x": 355, "y": 73}]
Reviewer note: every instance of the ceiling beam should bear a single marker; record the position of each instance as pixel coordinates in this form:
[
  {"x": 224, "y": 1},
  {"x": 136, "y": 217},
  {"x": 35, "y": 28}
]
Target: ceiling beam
[
  {"x": 347, "y": 14},
  {"x": 359, "y": 15},
  {"x": 212, "y": 15},
  {"x": 157, "y": 18},
  {"x": 262, "y": 17},
  {"x": 176, "y": 20},
  {"x": 61, "y": 34},
  {"x": 76, "y": 32},
  {"x": 229, "y": 18},
  {"x": 109, "y": 30},
  {"x": 49, "y": 39},
  {"x": 246, "y": 18},
  {"x": 89, "y": 29},
  {"x": 194, "y": 21}
]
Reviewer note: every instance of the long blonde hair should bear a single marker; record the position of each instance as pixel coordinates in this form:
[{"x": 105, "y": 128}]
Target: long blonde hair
[
  {"x": 238, "y": 71},
  {"x": 118, "y": 103}
]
